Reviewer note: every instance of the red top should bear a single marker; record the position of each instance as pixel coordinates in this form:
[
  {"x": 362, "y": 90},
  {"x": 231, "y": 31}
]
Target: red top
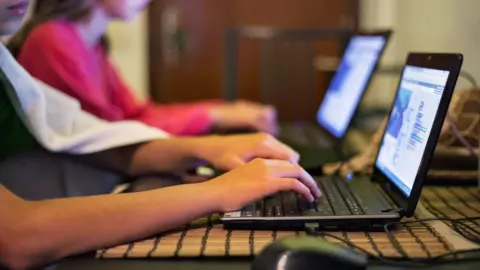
[{"x": 55, "y": 54}]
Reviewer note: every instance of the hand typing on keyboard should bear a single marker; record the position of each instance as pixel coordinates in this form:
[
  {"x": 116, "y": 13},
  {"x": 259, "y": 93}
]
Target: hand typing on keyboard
[
  {"x": 260, "y": 178},
  {"x": 229, "y": 152}
]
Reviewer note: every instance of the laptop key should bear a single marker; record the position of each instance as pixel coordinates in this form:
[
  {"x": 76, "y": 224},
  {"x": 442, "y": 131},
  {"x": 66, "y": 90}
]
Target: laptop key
[
  {"x": 269, "y": 211},
  {"x": 343, "y": 212},
  {"x": 357, "y": 212},
  {"x": 259, "y": 208},
  {"x": 322, "y": 204},
  {"x": 289, "y": 203},
  {"x": 309, "y": 212},
  {"x": 305, "y": 205},
  {"x": 336, "y": 200},
  {"x": 268, "y": 208},
  {"x": 248, "y": 211},
  {"x": 278, "y": 211},
  {"x": 273, "y": 206},
  {"x": 355, "y": 207},
  {"x": 328, "y": 212},
  {"x": 247, "y": 214},
  {"x": 320, "y": 208},
  {"x": 291, "y": 213},
  {"x": 318, "y": 213}
]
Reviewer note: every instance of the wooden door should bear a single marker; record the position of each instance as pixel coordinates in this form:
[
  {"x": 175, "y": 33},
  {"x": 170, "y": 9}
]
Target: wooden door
[{"x": 197, "y": 70}]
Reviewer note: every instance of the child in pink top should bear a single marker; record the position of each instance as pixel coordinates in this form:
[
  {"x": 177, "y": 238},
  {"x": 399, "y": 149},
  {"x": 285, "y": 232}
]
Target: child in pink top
[{"x": 62, "y": 46}]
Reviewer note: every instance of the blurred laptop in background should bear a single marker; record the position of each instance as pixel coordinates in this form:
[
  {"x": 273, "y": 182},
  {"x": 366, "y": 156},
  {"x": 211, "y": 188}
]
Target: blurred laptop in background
[{"x": 324, "y": 142}]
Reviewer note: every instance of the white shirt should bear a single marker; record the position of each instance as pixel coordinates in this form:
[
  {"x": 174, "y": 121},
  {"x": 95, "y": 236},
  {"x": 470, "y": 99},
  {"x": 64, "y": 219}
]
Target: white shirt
[{"x": 58, "y": 122}]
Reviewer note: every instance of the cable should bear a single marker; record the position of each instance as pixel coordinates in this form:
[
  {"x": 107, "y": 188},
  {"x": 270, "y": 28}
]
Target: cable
[
  {"x": 399, "y": 262},
  {"x": 471, "y": 236},
  {"x": 311, "y": 229},
  {"x": 469, "y": 77}
]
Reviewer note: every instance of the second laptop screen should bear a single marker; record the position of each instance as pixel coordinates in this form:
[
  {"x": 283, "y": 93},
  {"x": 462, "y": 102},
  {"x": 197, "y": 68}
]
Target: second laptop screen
[{"x": 349, "y": 83}]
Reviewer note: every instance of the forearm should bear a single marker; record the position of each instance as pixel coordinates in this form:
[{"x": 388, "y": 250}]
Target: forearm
[
  {"x": 178, "y": 120},
  {"x": 168, "y": 155},
  {"x": 172, "y": 154},
  {"x": 58, "y": 228}
]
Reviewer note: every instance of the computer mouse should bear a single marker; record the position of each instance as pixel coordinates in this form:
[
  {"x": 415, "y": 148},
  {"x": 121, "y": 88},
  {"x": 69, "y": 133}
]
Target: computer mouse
[{"x": 308, "y": 252}]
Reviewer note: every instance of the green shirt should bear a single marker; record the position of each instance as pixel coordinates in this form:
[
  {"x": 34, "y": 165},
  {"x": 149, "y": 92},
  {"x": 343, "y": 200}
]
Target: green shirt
[{"x": 14, "y": 135}]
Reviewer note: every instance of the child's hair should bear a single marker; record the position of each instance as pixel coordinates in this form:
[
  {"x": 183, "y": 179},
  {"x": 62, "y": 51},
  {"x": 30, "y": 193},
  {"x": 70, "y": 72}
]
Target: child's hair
[{"x": 47, "y": 10}]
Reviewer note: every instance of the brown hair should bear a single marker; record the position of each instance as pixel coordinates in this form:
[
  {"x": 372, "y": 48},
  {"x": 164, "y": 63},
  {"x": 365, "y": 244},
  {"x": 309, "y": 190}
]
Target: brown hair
[{"x": 48, "y": 10}]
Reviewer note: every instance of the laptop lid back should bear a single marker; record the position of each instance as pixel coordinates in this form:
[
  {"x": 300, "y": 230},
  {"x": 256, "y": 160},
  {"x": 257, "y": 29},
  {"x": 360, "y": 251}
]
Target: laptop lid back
[
  {"x": 414, "y": 124},
  {"x": 350, "y": 82}
]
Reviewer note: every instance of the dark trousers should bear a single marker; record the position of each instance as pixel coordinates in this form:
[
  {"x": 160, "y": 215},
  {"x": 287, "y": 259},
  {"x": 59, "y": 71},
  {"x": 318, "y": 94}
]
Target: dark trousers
[{"x": 39, "y": 175}]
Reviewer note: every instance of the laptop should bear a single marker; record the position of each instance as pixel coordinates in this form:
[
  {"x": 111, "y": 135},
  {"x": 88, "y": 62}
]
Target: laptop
[
  {"x": 392, "y": 191},
  {"x": 322, "y": 142}
]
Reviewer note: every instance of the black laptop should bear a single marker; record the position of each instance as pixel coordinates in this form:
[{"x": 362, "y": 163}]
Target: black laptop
[
  {"x": 392, "y": 191},
  {"x": 322, "y": 142}
]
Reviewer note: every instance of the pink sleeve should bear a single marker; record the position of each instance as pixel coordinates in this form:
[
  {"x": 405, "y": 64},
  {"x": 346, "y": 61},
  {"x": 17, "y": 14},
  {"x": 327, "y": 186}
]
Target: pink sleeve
[
  {"x": 180, "y": 119},
  {"x": 52, "y": 55}
]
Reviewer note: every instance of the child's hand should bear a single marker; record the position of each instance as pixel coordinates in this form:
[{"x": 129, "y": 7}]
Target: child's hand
[
  {"x": 229, "y": 152},
  {"x": 245, "y": 114},
  {"x": 258, "y": 179}
]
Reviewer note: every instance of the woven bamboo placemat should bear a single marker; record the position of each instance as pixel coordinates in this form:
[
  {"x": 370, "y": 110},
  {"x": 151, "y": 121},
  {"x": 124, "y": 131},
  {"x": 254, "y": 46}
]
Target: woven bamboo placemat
[
  {"x": 456, "y": 203},
  {"x": 207, "y": 238}
]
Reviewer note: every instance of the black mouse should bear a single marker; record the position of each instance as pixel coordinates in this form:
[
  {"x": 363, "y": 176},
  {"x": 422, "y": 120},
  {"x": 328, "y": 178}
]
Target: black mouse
[{"x": 308, "y": 252}]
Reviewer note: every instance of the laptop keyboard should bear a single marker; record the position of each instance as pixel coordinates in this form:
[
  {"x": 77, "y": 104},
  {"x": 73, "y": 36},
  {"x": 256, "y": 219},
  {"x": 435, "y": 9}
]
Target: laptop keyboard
[{"x": 337, "y": 199}]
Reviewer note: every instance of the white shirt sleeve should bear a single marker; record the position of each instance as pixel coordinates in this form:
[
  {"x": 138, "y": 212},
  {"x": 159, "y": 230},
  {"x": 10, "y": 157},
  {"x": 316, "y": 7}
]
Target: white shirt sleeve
[{"x": 58, "y": 122}]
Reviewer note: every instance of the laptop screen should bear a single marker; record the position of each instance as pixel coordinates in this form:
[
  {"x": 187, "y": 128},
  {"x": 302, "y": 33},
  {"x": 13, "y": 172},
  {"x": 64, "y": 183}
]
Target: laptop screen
[
  {"x": 408, "y": 129},
  {"x": 349, "y": 83}
]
